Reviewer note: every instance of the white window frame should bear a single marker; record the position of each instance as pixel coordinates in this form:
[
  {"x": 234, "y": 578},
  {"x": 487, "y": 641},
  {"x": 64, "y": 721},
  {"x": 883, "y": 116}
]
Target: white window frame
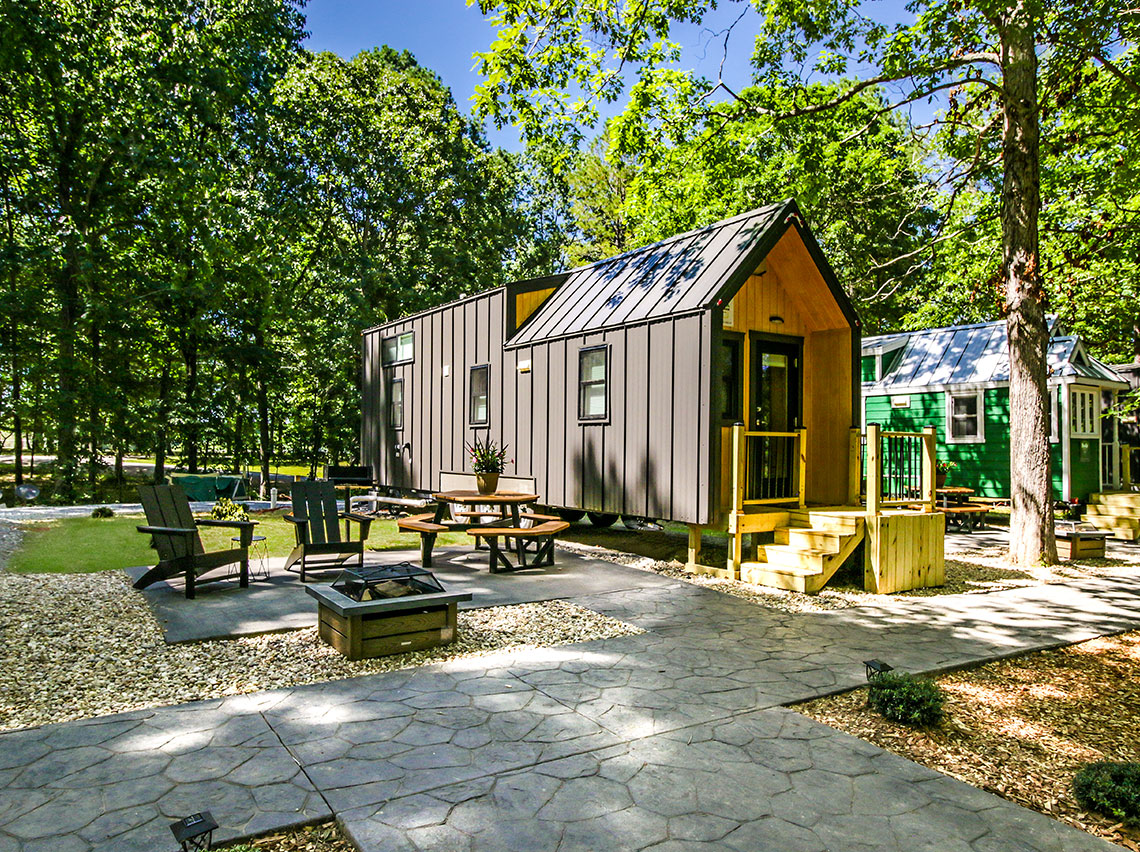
[
  {"x": 1055, "y": 417},
  {"x": 1084, "y": 412},
  {"x": 980, "y": 395}
]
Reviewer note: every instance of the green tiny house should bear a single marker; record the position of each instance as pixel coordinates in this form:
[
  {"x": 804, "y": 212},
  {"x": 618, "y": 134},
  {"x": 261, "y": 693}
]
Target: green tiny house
[{"x": 956, "y": 379}]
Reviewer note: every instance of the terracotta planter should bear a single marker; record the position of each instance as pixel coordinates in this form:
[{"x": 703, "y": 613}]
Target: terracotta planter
[
  {"x": 487, "y": 482},
  {"x": 939, "y": 480}
]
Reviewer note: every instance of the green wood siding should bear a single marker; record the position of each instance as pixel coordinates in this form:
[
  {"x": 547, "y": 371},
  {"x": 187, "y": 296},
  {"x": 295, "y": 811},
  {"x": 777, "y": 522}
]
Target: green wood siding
[
  {"x": 868, "y": 368},
  {"x": 983, "y": 467},
  {"x": 1084, "y": 461}
]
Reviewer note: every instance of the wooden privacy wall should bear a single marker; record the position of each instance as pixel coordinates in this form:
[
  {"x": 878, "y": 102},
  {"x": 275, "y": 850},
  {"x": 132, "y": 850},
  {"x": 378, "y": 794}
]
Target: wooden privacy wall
[
  {"x": 904, "y": 550},
  {"x": 651, "y": 457}
]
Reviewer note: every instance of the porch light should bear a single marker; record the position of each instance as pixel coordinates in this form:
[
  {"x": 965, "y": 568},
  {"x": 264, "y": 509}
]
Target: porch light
[
  {"x": 776, "y": 319},
  {"x": 876, "y": 668},
  {"x": 195, "y": 831}
]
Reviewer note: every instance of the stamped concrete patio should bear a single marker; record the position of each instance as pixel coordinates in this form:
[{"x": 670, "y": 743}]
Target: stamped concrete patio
[{"x": 671, "y": 740}]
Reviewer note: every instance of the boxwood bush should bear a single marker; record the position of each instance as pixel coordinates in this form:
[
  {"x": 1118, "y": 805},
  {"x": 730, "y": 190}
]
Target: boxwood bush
[
  {"x": 1110, "y": 789},
  {"x": 902, "y": 697}
]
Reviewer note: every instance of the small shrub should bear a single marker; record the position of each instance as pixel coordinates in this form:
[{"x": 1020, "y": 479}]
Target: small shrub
[
  {"x": 102, "y": 512},
  {"x": 905, "y": 698},
  {"x": 1110, "y": 789},
  {"x": 227, "y": 510}
]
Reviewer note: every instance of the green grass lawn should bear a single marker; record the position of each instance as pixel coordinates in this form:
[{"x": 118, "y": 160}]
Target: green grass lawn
[{"x": 75, "y": 545}]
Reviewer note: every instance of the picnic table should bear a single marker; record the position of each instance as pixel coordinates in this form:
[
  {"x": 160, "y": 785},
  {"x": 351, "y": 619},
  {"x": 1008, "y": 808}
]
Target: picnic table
[
  {"x": 959, "y": 511},
  {"x": 489, "y": 517}
]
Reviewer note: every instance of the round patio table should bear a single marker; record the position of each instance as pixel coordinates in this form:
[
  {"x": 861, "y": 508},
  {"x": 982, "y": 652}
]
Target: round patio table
[{"x": 506, "y": 499}]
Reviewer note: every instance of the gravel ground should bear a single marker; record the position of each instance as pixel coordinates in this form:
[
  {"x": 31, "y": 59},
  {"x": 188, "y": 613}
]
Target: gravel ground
[
  {"x": 80, "y": 645},
  {"x": 967, "y": 572},
  {"x": 1021, "y": 728},
  {"x": 10, "y": 537}
]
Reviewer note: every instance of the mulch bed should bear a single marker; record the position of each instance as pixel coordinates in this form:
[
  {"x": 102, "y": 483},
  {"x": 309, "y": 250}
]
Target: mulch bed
[
  {"x": 325, "y": 837},
  {"x": 1021, "y": 728}
]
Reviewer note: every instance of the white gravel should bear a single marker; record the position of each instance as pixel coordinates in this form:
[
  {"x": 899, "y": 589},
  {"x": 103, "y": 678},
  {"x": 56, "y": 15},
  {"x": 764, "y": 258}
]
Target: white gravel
[
  {"x": 10, "y": 537},
  {"x": 82, "y": 645}
]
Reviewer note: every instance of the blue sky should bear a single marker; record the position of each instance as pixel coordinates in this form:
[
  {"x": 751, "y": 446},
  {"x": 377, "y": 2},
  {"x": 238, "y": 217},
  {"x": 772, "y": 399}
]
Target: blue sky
[{"x": 444, "y": 35}]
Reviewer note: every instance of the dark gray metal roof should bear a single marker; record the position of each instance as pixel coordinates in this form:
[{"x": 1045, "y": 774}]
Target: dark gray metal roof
[
  {"x": 679, "y": 275},
  {"x": 973, "y": 355}
]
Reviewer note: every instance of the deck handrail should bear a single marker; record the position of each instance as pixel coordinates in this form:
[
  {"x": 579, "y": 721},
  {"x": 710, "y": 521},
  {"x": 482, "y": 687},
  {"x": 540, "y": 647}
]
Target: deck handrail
[
  {"x": 740, "y": 467},
  {"x": 876, "y": 499}
]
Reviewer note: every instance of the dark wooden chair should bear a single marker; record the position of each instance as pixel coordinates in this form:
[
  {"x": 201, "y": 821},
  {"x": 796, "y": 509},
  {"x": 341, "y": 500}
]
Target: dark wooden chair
[
  {"x": 174, "y": 534},
  {"x": 315, "y": 519}
]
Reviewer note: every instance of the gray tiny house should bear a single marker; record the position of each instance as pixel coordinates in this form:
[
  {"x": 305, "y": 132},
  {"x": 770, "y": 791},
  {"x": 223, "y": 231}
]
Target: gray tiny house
[{"x": 616, "y": 384}]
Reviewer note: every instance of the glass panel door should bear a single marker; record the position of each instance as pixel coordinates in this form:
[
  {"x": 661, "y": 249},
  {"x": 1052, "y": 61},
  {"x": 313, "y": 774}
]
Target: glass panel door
[{"x": 774, "y": 406}]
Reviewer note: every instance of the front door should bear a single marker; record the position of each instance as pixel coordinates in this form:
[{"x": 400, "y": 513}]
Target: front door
[{"x": 774, "y": 405}]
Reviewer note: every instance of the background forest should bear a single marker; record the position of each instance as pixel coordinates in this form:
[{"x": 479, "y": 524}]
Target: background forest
[{"x": 200, "y": 217}]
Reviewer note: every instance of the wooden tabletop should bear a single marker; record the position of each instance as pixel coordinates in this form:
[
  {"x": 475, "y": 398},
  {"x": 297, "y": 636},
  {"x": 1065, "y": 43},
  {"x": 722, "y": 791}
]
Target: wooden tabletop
[
  {"x": 955, "y": 490},
  {"x": 504, "y": 498}
]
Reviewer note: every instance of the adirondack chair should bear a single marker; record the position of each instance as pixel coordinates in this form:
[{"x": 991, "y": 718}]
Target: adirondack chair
[
  {"x": 174, "y": 534},
  {"x": 315, "y": 521}
]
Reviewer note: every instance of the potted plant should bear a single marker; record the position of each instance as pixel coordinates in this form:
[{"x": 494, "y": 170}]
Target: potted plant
[
  {"x": 487, "y": 461},
  {"x": 941, "y": 468}
]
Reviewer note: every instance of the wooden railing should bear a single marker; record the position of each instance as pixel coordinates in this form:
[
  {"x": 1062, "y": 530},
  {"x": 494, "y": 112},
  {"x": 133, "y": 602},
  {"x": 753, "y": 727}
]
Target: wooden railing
[
  {"x": 898, "y": 468},
  {"x": 1126, "y": 466},
  {"x": 768, "y": 467}
]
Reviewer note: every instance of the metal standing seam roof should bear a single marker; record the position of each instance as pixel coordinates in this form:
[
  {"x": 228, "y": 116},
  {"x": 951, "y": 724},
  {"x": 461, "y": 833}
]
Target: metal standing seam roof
[
  {"x": 679, "y": 275},
  {"x": 974, "y": 355}
]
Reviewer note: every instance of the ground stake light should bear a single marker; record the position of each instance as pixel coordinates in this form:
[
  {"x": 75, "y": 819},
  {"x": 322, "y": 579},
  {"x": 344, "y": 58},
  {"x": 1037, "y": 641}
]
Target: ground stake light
[
  {"x": 876, "y": 668},
  {"x": 195, "y": 831}
]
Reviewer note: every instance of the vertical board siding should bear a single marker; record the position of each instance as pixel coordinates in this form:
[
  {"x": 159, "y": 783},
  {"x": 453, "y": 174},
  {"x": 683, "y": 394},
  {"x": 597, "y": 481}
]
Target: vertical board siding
[
  {"x": 637, "y": 468},
  {"x": 559, "y": 462},
  {"x": 685, "y": 415},
  {"x": 613, "y": 451},
  {"x": 660, "y": 415}
]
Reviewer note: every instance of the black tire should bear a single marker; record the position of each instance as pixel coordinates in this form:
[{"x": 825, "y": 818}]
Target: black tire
[
  {"x": 570, "y": 515},
  {"x": 601, "y": 520}
]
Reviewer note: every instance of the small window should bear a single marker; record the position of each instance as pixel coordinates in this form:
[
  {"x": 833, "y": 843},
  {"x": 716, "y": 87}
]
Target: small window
[
  {"x": 592, "y": 396},
  {"x": 398, "y": 349},
  {"x": 1084, "y": 419},
  {"x": 396, "y": 404},
  {"x": 1054, "y": 415},
  {"x": 480, "y": 396},
  {"x": 965, "y": 418},
  {"x": 731, "y": 382}
]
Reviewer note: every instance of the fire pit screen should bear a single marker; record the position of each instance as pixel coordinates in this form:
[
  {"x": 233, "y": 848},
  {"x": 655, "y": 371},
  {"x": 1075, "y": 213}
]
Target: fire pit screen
[{"x": 381, "y": 582}]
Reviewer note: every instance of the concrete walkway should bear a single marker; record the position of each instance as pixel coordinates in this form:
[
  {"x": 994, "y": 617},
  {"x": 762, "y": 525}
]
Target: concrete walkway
[{"x": 672, "y": 740}]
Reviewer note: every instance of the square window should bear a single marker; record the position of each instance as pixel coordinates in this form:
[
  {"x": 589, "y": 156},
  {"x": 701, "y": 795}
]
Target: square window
[{"x": 398, "y": 349}]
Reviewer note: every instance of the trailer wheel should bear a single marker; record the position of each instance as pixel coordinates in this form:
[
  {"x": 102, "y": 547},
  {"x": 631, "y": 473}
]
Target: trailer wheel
[
  {"x": 570, "y": 515},
  {"x": 600, "y": 520}
]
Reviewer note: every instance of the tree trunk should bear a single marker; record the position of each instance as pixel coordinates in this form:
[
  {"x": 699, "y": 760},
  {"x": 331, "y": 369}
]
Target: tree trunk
[
  {"x": 94, "y": 432},
  {"x": 160, "y": 432},
  {"x": 264, "y": 441},
  {"x": 1031, "y": 522},
  {"x": 67, "y": 291},
  {"x": 14, "y": 338},
  {"x": 190, "y": 424}
]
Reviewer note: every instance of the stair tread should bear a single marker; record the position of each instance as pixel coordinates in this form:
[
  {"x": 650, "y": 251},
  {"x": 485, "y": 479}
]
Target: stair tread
[{"x": 794, "y": 570}]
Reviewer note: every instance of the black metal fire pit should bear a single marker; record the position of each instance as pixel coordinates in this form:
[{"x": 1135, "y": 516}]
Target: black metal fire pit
[{"x": 376, "y": 610}]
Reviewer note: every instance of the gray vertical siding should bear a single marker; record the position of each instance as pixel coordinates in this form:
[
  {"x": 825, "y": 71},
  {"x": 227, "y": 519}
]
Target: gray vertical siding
[{"x": 651, "y": 457}]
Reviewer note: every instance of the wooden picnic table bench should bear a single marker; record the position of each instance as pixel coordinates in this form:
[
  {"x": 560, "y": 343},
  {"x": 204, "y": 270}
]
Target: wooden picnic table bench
[
  {"x": 967, "y": 517},
  {"x": 542, "y": 534},
  {"x": 428, "y": 529}
]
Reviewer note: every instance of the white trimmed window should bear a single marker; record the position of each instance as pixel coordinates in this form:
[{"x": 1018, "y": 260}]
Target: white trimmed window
[
  {"x": 1055, "y": 415},
  {"x": 1084, "y": 414},
  {"x": 965, "y": 418},
  {"x": 398, "y": 349}
]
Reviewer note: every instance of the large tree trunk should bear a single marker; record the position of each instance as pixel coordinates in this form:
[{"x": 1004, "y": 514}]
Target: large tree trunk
[
  {"x": 190, "y": 439},
  {"x": 264, "y": 442},
  {"x": 14, "y": 338},
  {"x": 1031, "y": 523}
]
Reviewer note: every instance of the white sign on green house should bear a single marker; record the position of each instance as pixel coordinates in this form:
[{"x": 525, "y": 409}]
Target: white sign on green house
[{"x": 957, "y": 380}]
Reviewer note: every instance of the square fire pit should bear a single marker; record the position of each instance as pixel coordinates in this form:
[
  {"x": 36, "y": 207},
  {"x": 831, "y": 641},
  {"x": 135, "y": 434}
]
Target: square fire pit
[{"x": 379, "y": 610}]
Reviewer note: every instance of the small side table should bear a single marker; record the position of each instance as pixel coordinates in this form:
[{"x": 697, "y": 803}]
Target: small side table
[{"x": 260, "y": 550}]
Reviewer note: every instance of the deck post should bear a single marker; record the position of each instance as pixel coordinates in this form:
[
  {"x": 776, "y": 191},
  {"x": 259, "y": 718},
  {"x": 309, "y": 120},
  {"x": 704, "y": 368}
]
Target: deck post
[
  {"x": 874, "y": 469},
  {"x": 855, "y": 468},
  {"x": 1125, "y": 467},
  {"x": 694, "y": 546},
  {"x": 929, "y": 452},
  {"x": 801, "y": 442},
  {"x": 735, "y": 536}
]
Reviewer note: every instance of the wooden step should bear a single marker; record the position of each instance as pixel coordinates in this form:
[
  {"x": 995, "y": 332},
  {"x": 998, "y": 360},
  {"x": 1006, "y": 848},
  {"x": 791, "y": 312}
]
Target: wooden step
[
  {"x": 790, "y": 556},
  {"x": 791, "y": 579},
  {"x": 1112, "y": 511},
  {"x": 1123, "y": 529},
  {"x": 763, "y": 521},
  {"x": 1117, "y": 498},
  {"x": 826, "y": 521},
  {"x": 807, "y": 538}
]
